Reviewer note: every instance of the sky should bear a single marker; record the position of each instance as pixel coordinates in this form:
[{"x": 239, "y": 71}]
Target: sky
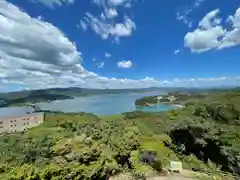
[{"x": 119, "y": 43}]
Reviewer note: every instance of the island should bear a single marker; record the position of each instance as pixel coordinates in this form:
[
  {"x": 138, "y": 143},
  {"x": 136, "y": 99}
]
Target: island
[
  {"x": 204, "y": 136},
  {"x": 172, "y": 98}
]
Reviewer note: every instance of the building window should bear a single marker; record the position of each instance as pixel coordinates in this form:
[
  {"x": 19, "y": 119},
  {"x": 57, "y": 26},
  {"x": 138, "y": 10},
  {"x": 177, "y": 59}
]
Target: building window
[
  {"x": 15, "y": 120},
  {"x": 11, "y": 121},
  {"x": 1, "y": 126},
  {"x": 1, "y": 122},
  {"x": 11, "y": 125}
]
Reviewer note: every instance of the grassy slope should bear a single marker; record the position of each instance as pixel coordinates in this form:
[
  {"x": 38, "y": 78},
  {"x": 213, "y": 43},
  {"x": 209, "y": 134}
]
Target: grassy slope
[{"x": 87, "y": 138}]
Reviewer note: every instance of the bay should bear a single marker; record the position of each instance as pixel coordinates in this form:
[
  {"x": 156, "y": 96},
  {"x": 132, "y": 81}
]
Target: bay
[{"x": 106, "y": 104}]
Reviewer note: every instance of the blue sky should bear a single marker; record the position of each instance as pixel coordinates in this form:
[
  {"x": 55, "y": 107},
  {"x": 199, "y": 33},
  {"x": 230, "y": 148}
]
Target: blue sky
[{"x": 118, "y": 43}]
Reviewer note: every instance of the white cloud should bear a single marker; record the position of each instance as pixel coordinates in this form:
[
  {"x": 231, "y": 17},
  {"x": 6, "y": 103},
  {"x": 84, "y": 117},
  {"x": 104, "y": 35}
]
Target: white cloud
[
  {"x": 107, "y": 55},
  {"x": 53, "y": 3},
  {"x": 101, "y": 64},
  {"x": 183, "y": 16},
  {"x": 204, "y": 40},
  {"x": 20, "y": 40},
  {"x": 83, "y": 25},
  {"x": 124, "y": 64},
  {"x": 111, "y": 13},
  {"x": 118, "y": 2},
  {"x": 123, "y": 29},
  {"x": 35, "y": 54},
  {"x": 210, "y": 34},
  {"x": 106, "y": 25},
  {"x": 210, "y": 20},
  {"x": 197, "y": 3},
  {"x": 105, "y": 30},
  {"x": 177, "y": 51},
  {"x": 114, "y": 3},
  {"x": 235, "y": 20}
]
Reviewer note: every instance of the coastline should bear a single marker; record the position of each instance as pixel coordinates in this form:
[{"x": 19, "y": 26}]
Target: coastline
[{"x": 178, "y": 105}]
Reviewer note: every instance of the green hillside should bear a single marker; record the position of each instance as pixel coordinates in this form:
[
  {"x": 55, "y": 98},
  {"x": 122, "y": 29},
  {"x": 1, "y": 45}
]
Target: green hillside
[{"x": 205, "y": 136}]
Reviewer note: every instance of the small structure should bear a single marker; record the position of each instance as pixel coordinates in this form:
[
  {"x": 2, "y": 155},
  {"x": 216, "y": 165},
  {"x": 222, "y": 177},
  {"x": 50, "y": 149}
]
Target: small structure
[
  {"x": 20, "y": 123},
  {"x": 159, "y": 98},
  {"x": 172, "y": 98},
  {"x": 175, "y": 166}
]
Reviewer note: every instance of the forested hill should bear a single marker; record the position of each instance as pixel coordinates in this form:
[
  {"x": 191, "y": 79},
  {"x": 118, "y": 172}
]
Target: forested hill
[{"x": 32, "y": 96}]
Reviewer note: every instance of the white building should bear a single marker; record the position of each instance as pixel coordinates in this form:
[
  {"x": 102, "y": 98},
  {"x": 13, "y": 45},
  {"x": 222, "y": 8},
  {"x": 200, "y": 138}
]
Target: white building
[{"x": 20, "y": 123}]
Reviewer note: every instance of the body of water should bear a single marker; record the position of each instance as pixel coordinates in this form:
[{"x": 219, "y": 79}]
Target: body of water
[
  {"x": 97, "y": 104},
  {"x": 14, "y": 111}
]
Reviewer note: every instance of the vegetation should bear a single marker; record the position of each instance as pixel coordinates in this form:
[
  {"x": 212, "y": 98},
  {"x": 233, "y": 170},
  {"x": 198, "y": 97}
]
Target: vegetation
[
  {"x": 179, "y": 98},
  {"x": 204, "y": 136}
]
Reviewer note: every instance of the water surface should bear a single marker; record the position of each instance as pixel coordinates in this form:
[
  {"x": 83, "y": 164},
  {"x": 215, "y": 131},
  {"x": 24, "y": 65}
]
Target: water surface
[
  {"x": 104, "y": 104},
  {"x": 97, "y": 104},
  {"x": 14, "y": 111}
]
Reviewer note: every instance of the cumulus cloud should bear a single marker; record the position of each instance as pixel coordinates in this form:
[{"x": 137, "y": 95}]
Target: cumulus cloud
[
  {"x": 105, "y": 24},
  {"x": 124, "y": 64},
  {"x": 35, "y": 54},
  {"x": 107, "y": 30},
  {"x": 202, "y": 40},
  {"x": 116, "y": 2},
  {"x": 211, "y": 34},
  {"x": 53, "y": 3},
  {"x": 20, "y": 40},
  {"x": 111, "y": 13},
  {"x": 210, "y": 20},
  {"x": 123, "y": 29}
]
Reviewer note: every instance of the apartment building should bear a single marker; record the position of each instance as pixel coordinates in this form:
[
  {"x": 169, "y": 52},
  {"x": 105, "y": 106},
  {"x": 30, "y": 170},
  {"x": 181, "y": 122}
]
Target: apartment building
[{"x": 20, "y": 123}]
